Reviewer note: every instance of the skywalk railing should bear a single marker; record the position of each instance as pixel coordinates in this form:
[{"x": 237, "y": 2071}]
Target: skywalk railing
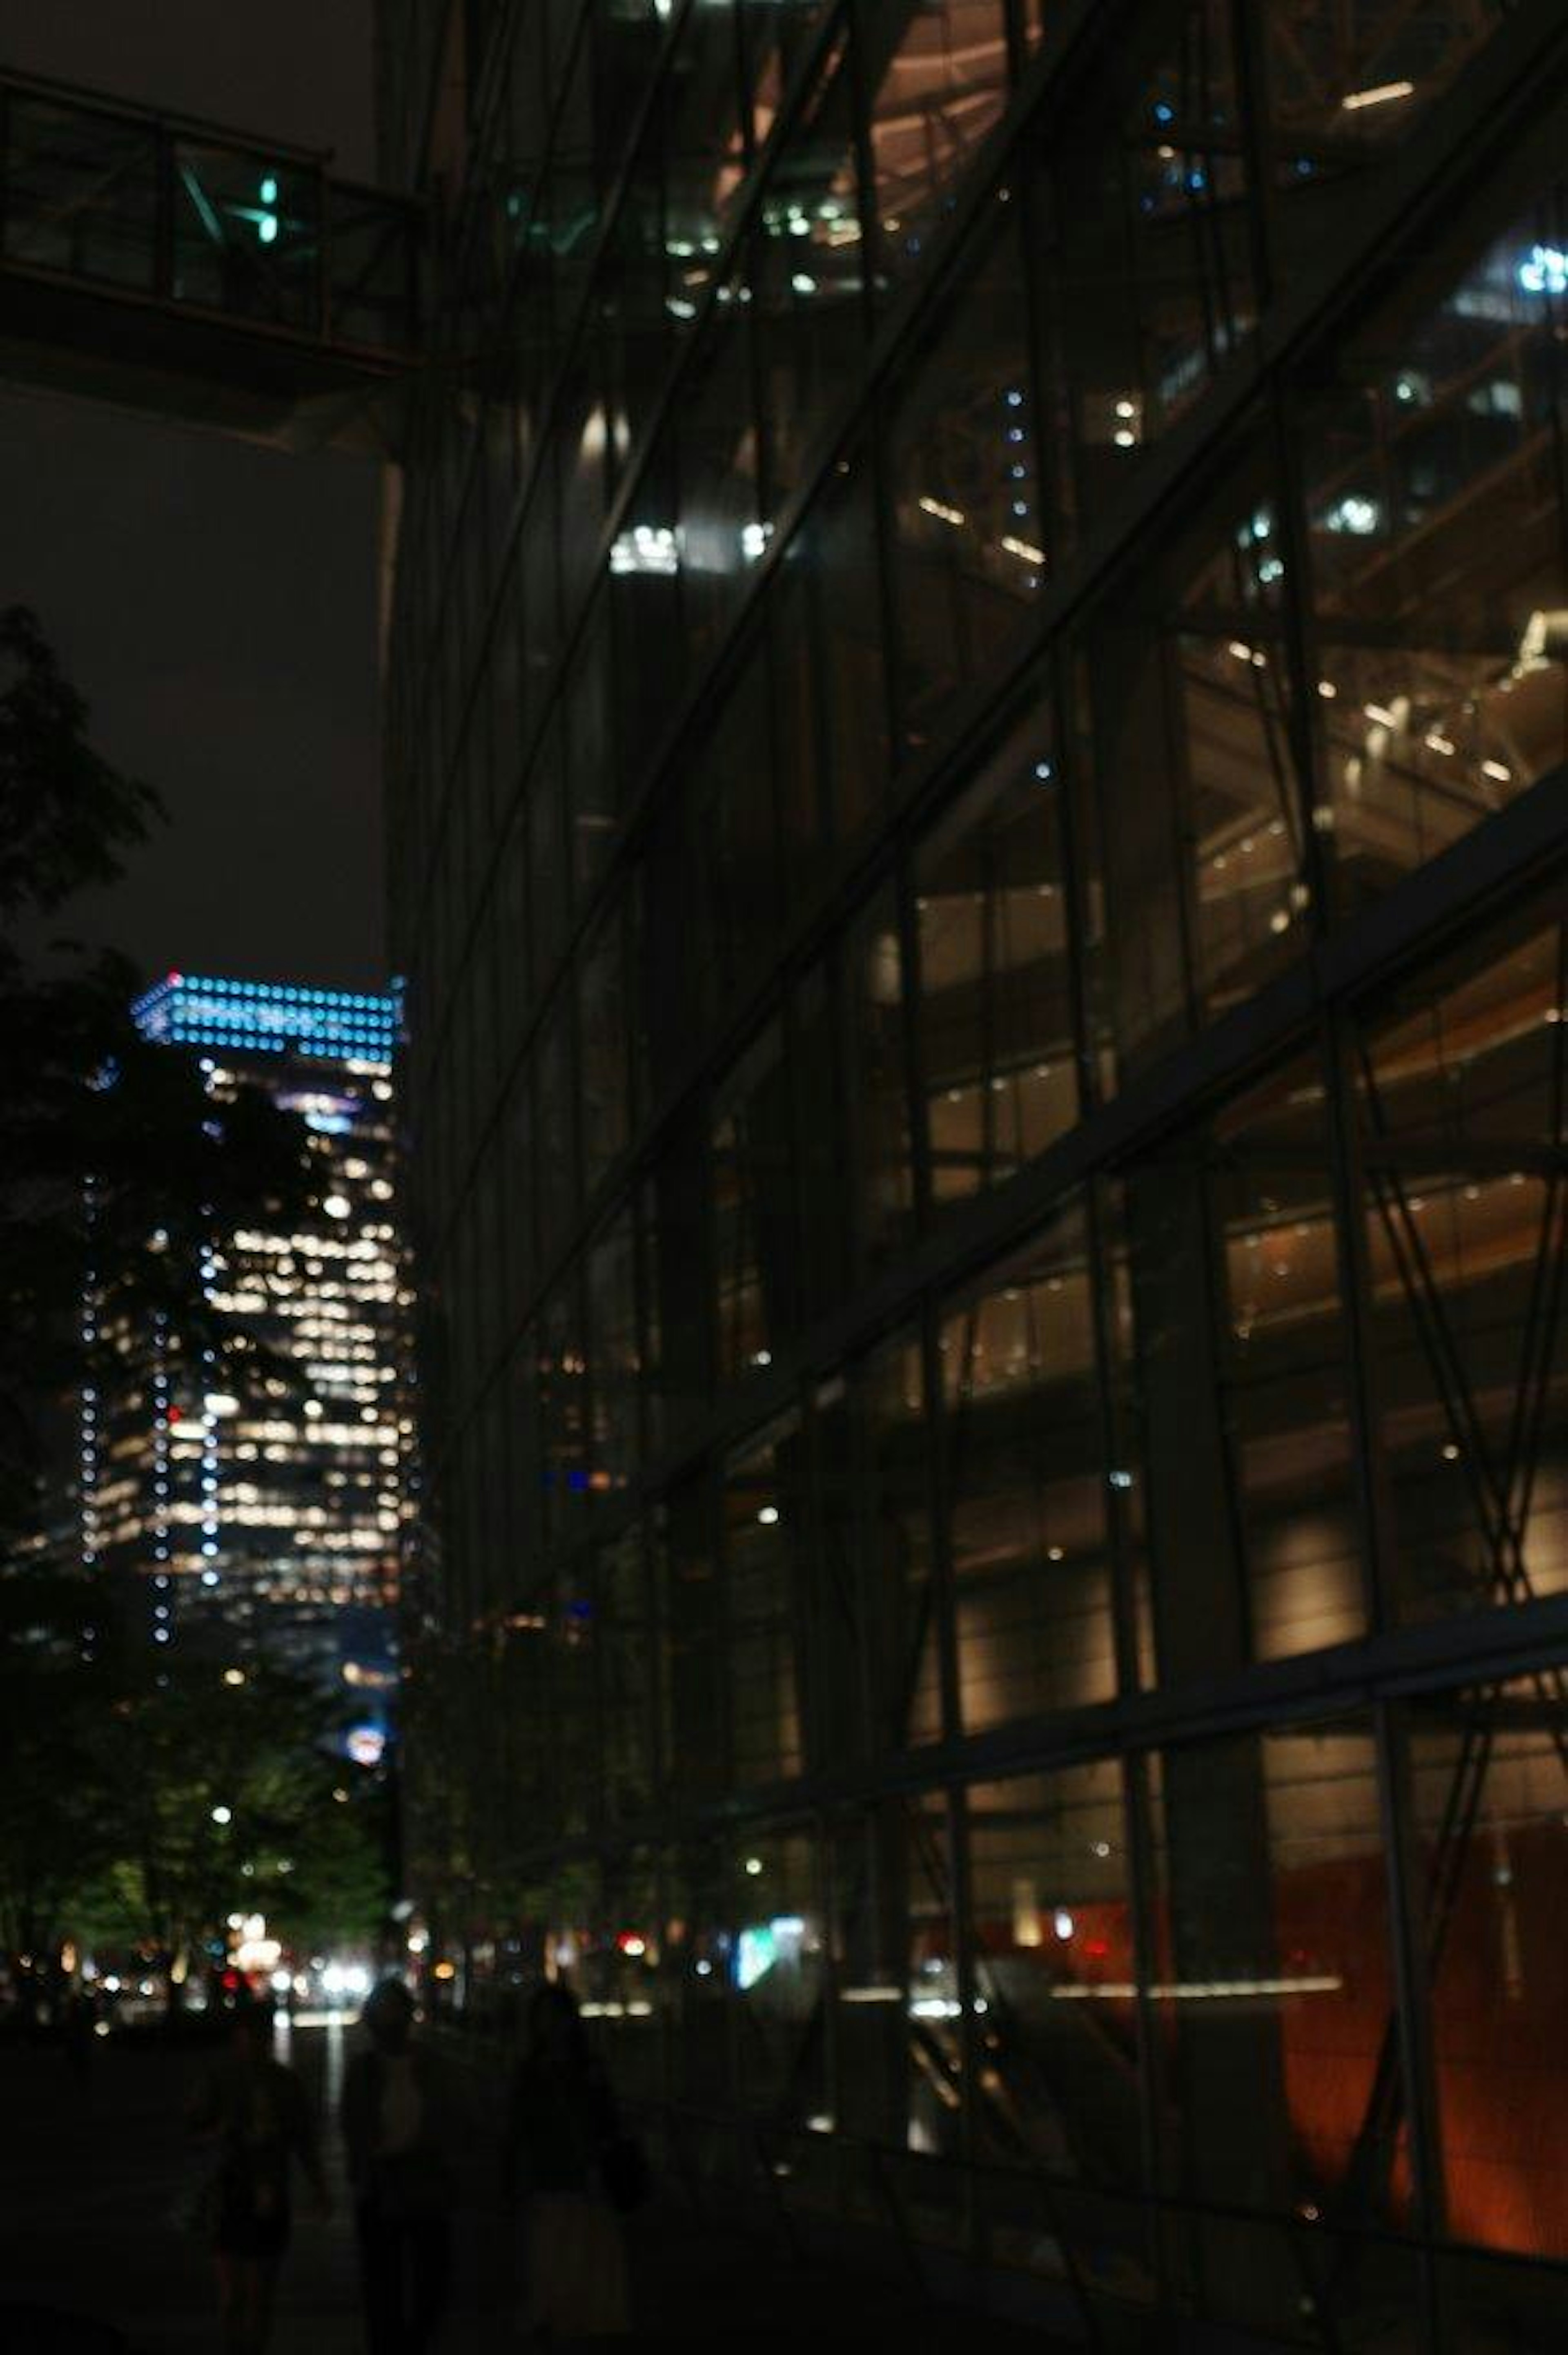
[{"x": 210, "y": 222}]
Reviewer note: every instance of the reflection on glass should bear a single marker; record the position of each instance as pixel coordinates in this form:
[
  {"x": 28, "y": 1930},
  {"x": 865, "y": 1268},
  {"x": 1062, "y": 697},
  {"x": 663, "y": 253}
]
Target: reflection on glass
[
  {"x": 968, "y": 556},
  {"x": 617, "y": 1361},
  {"x": 1490, "y": 1799},
  {"x": 763, "y": 1501},
  {"x": 807, "y": 281},
  {"x": 1348, "y": 80},
  {"x": 1055, "y": 1971},
  {"x": 1272, "y": 1985},
  {"x": 876, "y": 1092},
  {"x": 830, "y": 687},
  {"x": 897, "y": 2024},
  {"x": 623, "y": 1643},
  {"x": 996, "y": 1031},
  {"x": 1287, "y": 1463},
  {"x": 777, "y": 1963},
  {"x": 246, "y": 235},
  {"x": 716, "y": 531},
  {"x": 1151, "y": 254},
  {"x": 704, "y": 151},
  {"x": 1197, "y": 814},
  {"x": 1025, "y": 1487},
  {"x": 1462, "y": 1115},
  {"x": 753, "y": 1218},
  {"x": 1435, "y": 502},
  {"x": 937, "y": 77}
]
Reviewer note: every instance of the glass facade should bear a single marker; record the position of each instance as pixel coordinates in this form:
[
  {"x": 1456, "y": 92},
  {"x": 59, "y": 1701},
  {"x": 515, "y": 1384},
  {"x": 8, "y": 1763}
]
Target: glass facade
[{"x": 979, "y": 765}]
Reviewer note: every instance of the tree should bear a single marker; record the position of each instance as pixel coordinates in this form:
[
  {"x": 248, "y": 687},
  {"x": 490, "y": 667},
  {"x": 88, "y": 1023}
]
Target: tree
[
  {"x": 119, "y": 1169},
  {"x": 222, "y": 1796}
]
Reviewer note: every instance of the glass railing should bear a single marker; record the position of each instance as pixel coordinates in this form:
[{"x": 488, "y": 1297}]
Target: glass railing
[{"x": 181, "y": 214}]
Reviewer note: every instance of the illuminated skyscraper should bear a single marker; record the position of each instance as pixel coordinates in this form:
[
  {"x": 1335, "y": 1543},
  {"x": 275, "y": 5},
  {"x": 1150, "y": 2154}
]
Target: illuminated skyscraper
[{"x": 274, "y": 1518}]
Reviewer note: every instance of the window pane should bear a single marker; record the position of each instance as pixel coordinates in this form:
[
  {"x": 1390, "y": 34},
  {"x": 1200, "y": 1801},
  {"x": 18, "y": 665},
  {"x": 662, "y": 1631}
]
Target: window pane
[
  {"x": 807, "y": 281},
  {"x": 968, "y": 556},
  {"x": 1056, "y": 1968},
  {"x": 1025, "y": 1487},
  {"x": 895, "y": 1977},
  {"x": 1196, "y": 815},
  {"x": 881, "y": 1158},
  {"x": 938, "y": 76},
  {"x": 1150, "y": 244},
  {"x": 82, "y": 193},
  {"x": 1489, "y": 1789},
  {"x": 1436, "y": 507},
  {"x": 1462, "y": 1114},
  {"x": 762, "y": 1505},
  {"x": 777, "y": 1961},
  {"x": 997, "y": 1066},
  {"x": 1273, "y": 1994},
  {"x": 754, "y": 1212}
]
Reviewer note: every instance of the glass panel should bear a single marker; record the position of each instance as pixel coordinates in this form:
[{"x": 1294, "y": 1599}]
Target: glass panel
[
  {"x": 877, "y": 1091},
  {"x": 1436, "y": 502},
  {"x": 1055, "y": 1969},
  {"x": 969, "y": 555},
  {"x": 807, "y": 281},
  {"x": 1025, "y": 1487},
  {"x": 635, "y": 325},
  {"x": 938, "y": 79},
  {"x": 247, "y": 236},
  {"x": 902, "y": 1631},
  {"x": 1150, "y": 240},
  {"x": 896, "y": 2025},
  {"x": 616, "y": 1368},
  {"x": 762, "y": 1506},
  {"x": 1348, "y": 80},
  {"x": 718, "y": 532},
  {"x": 997, "y": 1066},
  {"x": 778, "y": 1963},
  {"x": 815, "y": 1059},
  {"x": 754, "y": 1211},
  {"x": 734, "y": 833},
  {"x": 692, "y": 1672},
  {"x": 603, "y": 1049},
  {"x": 1197, "y": 816},
  {"x": 830, "y": 684},
  {"x": 1462, "y": 1107},
  {"x": 82, "y": 193},
  {"x": 775, "y": 34},
  {"x": 705, "y": 149},
  {"x": 555, "y": 1102},
  {"x": 1272, "y": 1992},
  {"x": 1490, "y": 1785},
  {"x": 623, "y": 1623}
]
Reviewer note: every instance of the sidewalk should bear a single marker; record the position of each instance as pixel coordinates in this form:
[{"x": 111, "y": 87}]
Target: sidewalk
[{"x": 89, "y": 2178}]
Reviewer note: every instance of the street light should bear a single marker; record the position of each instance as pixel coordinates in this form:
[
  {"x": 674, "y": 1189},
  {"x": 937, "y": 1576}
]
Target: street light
[{"x": 223, "y": 1815}]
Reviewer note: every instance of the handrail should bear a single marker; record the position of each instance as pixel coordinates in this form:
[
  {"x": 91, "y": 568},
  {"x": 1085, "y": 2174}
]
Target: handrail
[{"x": 131, "y": 110}]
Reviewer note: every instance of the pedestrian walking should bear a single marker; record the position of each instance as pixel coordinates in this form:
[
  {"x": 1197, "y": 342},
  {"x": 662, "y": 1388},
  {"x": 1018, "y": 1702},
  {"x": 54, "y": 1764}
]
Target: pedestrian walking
[
  {"x": 400, "y": 2139},
  {"x": 256, "y": 2115},
  {"x": 574, "y": 2169}
]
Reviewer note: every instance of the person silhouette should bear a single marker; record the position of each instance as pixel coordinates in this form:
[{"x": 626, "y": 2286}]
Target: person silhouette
[
  {"x": 255, "y": 2111},
  {"x": 400, "y": 2144},
  {"x": 562, "y": 2143}
]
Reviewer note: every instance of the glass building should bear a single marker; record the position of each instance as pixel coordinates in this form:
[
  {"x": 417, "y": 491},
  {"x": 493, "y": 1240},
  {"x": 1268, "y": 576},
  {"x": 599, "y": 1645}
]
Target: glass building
[
  {"x": 977, "y": 711},
  {"x": 273, "y": 1522}
]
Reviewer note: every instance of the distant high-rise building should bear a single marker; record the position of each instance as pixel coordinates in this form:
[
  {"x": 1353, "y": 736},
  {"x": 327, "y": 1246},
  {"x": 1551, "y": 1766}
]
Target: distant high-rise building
[{"x": 274, "y": 1518}]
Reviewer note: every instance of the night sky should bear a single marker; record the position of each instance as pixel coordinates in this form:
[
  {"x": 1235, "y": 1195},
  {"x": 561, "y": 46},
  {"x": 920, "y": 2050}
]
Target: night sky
[{"x": 215, "y": 602}]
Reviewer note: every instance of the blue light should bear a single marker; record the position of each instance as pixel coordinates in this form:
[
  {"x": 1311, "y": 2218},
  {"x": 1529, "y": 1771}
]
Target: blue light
[{"x": 1544, "y": 270}]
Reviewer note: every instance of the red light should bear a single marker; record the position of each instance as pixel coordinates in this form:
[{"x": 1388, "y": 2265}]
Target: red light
[
  {"x": 174, "y": 1414},
  {"x": 231, "y": 1982},
  {"x": 176, "y": 977},
  {"x": 1095, "y": 1949}
]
